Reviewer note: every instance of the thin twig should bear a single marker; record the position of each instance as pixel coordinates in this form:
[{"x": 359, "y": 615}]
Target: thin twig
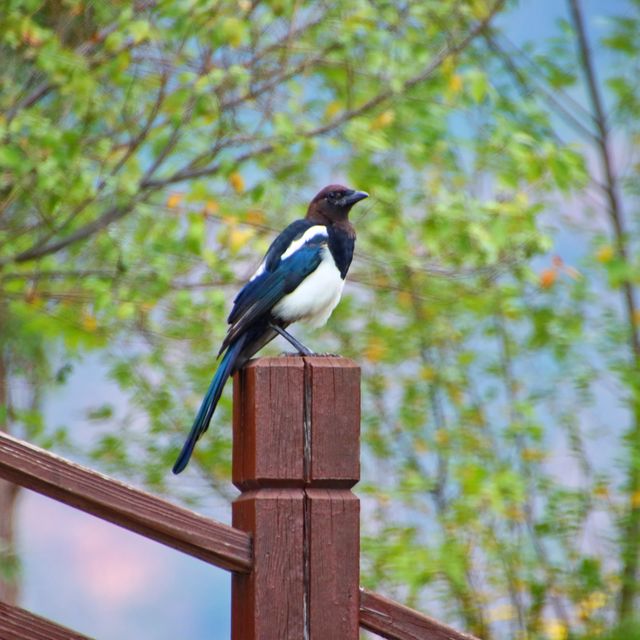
[{"x": 631, "y": 527}]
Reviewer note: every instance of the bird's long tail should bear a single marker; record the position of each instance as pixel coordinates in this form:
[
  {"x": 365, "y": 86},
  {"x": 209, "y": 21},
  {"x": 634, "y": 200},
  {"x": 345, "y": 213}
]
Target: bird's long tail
[{"x": 208, "y": 406}]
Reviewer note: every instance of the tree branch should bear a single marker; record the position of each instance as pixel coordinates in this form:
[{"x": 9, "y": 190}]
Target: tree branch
[
  {"x": 188, "y": 173},
  {"x": 527, "y": 90},
  {"x": 444, "y": 53},
  {"x": 631, "y": 526},
  {"x": 111, "y": 215}
]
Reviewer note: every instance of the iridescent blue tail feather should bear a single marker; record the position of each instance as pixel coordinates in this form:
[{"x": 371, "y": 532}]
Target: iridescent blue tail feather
[{"x": 208, "y": 406}]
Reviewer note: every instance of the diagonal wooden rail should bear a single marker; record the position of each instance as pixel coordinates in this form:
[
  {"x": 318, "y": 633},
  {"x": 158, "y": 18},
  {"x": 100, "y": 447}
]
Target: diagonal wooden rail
[
  {"x": 18, "y": 624},
  {"x": 117, "y": 502},
  {"x": 394, "y": 621},
  {"x": 295, "y": 458}
]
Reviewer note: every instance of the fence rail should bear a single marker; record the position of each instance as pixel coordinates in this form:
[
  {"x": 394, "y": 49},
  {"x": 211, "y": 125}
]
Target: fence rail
[
  {"x": 18, "y": 624},
  {"x": 111, "y": 500},
  {"x": 394, "y": 621},
  {"x": 294, "y": 549}
]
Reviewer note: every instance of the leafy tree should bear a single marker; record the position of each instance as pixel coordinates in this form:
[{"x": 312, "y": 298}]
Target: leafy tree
[
  {"x": 150, "y": 151},
  {"x": 146, "y": 148},
  {"x": 515, "y": 365}
]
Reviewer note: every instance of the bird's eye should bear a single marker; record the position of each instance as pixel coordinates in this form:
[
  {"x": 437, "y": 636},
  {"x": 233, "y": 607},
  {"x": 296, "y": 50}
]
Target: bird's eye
[{"x": 332, "y": 195}]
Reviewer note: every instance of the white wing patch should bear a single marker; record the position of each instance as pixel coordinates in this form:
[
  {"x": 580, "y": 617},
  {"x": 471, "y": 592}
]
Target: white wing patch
[{"x": 311, "y": 232}]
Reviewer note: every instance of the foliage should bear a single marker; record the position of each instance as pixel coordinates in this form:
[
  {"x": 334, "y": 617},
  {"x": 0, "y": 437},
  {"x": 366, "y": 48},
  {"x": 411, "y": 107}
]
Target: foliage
[
  {"x": 149, "y": 153},
  {"x": 513, "y": 461}
]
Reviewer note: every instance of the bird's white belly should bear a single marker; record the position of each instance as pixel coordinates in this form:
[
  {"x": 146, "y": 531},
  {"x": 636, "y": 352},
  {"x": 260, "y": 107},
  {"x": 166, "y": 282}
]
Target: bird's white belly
[{"x": 315, "y": 298}]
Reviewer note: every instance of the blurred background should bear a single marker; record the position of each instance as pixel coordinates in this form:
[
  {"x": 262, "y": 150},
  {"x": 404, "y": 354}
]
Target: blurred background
[{"x": 150, "y": 152}]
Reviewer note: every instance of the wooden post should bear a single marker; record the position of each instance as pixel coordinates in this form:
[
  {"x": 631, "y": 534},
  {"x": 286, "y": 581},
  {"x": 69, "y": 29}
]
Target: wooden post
[{"x": 296, "y": 444}]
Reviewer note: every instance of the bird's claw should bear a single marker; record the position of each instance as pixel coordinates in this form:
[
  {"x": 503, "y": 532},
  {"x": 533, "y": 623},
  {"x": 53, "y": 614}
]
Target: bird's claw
[
  {"x": 293, "y": 354},
  {"x": 289, "y": 354}
]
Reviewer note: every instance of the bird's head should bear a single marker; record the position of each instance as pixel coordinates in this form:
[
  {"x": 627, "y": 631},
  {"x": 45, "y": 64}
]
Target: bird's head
[{"x": 333, "y": 203}]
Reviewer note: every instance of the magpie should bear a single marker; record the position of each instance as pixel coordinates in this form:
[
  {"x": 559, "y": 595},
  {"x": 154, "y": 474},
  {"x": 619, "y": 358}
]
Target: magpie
[{"x": 300, "y": 278}]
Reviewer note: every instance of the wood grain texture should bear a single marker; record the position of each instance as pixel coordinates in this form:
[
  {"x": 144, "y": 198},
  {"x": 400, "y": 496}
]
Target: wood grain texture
[
  {"x": 335, "y": 421},
  {"x": 123, "y": 505},
  {"x": 334, "y": 566},
  {"x": 394, "y": 621},
  {"x": 267, "y": 402},
  {"x": 296, "y": 454},
  {"x": 332, "y": 395},
  {"x": 268, "y": 465},
  {"x": 268, "y": 603},
  {"x": 18, "y": 624}
]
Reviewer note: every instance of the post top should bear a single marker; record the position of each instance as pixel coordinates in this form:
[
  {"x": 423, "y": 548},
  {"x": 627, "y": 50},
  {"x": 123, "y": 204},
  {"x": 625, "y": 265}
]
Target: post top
[
  {"x": 296, "y": 422},
  {"x": 294, "y": 360}
]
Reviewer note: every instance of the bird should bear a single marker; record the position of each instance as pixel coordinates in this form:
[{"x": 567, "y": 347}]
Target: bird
[{"x": 300, "y": 278}]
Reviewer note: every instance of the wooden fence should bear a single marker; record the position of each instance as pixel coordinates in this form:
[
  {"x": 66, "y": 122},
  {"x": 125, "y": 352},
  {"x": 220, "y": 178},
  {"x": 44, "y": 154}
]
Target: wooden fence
[{"x": 293, "y": 549}]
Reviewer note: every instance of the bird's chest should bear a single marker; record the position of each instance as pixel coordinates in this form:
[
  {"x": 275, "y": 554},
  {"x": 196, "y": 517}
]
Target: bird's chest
[{"x": 315, "y": 297}]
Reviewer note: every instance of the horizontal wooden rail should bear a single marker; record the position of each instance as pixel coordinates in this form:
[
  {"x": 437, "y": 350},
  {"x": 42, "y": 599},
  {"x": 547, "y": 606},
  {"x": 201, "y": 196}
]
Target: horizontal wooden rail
[
  {"x": 394, "y": 621},
  {"x": 18, "y": 624},
  {"x": 109, "y": 499}
]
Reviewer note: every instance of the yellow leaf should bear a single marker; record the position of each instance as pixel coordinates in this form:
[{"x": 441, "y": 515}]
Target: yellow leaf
[
  {"x": 35, "y": 300},
  {"x": 479, "y": 9},
  {"x": 420, "y": 446},
  {"x": 89, "y": 322},
  {"x": 636, "y": 317},
  {"x": 255, "y": 216},
  {"x": 455, "y": 393},
  {"x": 404, "y": 299},
  {"x": 591, "y": 603},
  {"x": 441, "y": 437},
  {"x": 635, "y": 500},
  {"x": 514, "y": 513},
  {"x": 601, "y": 491},
  {"x": 238, "y": 238},
  {"x": 455, "y": 83},
  {"x": 502, "y": 612},
  {"x": 332, "y": 109},
  {"x": 597, "y": 600},
  {"x": 555, "y": 630},
  {"x": 375, "y": 349},
  {"x": 532, "y": 455},
  {"x": 237, "y": 182},
  {"x": 427, "y": 373},
  {"x": 521, "y": 199},
  {"x": 448, "y": 66},
  {"x": 174, "y": 200},
  {"x": 605, "y": 254},
  {"x": 211, "y": 207},
  {"x": 383, "y": 120}
]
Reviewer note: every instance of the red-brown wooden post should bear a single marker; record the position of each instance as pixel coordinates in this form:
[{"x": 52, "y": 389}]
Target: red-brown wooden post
[{"x": 296, "y": 444}]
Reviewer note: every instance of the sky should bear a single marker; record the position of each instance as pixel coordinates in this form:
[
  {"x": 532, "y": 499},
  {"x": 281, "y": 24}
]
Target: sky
[
  {"x": 100, "y": 579},
  {"x": 111, "y": 584}
]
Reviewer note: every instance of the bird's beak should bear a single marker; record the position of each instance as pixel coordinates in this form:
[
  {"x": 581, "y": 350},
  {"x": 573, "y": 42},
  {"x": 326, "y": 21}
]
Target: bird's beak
[{"x": 351, "y": 198}]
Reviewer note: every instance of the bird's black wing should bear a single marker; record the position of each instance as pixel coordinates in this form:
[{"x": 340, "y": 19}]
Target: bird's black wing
[
  {"x": 271, "y": 260},
  {"x": 283, "y": 241},
  {"x": 265, "y": 290}
]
